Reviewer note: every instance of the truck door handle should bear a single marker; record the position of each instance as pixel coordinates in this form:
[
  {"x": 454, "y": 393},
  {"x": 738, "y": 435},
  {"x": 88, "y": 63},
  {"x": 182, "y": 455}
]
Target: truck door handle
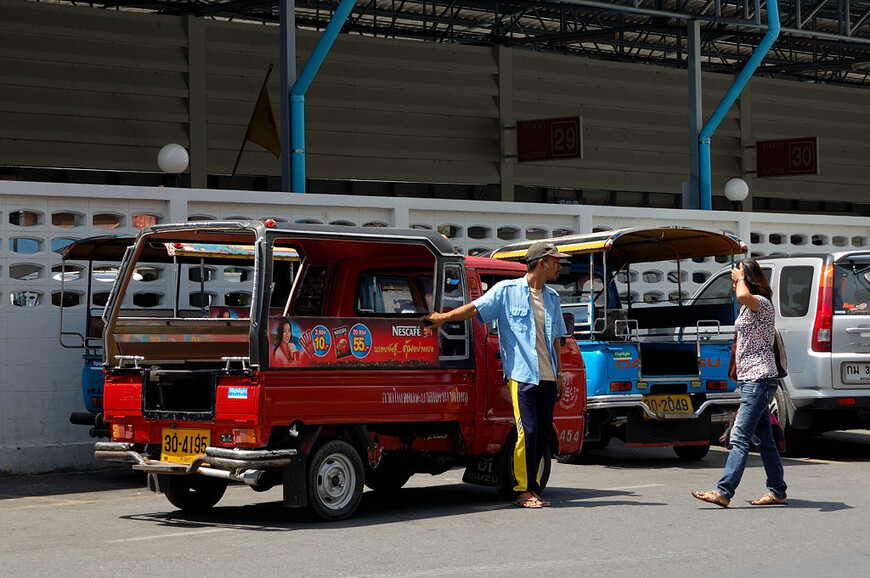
[{"x": 858, "y": 330}]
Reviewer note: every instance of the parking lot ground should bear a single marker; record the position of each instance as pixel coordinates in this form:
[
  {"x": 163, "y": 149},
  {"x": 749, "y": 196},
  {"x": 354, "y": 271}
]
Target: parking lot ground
[{"x": 624, "y": 512}]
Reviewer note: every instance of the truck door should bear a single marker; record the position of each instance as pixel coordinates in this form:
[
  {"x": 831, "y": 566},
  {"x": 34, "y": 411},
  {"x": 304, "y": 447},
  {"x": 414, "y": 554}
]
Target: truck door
[{"x": 498, "y": 398}]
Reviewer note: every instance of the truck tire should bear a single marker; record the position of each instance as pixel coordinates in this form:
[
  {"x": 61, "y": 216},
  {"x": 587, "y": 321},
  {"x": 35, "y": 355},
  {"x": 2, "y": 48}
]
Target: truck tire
[
  {"x": 335, "y": 481},
  {"x": 192, "y": 493},
  {"x": 389, "y": 475},
  {"x": 691, "y": 453},
  {"x": 795, "y": 439}
]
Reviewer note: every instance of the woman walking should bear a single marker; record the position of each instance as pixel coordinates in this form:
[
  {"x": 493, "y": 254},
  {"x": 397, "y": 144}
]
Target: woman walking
[{"x": 757, "y": 380}]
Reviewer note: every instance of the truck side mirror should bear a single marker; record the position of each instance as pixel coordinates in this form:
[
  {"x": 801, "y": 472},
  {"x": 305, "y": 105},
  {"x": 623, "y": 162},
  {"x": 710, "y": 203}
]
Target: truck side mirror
[{"x": 569, "y": 322}]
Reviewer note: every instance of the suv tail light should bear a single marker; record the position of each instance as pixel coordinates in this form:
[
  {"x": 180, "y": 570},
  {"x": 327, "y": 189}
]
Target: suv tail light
[{"x": 824, "y": 311}]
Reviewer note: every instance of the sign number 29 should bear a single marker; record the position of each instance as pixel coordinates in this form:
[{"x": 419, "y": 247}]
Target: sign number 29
[{"x": 564, "y": 138}]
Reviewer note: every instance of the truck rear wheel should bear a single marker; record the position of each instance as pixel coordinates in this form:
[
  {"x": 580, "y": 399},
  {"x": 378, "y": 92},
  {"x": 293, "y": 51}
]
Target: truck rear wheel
[
  {"x": 335, "y": 481},
  {"x": 192, "y": 493},
  {"x": 691, "y": 453}
]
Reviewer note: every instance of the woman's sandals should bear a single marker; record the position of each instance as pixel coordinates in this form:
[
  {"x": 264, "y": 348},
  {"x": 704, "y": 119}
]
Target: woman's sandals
[
  {"x": 770, "y": 499},
  {"x": 713, "y": 497}
]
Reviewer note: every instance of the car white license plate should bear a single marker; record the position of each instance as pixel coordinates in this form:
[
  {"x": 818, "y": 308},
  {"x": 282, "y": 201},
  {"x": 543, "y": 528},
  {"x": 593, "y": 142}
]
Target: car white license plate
[
  {"x": 679, "y": 403},
  {"x": 182, "y": 446},
  {"x": 855, "y": 372}
]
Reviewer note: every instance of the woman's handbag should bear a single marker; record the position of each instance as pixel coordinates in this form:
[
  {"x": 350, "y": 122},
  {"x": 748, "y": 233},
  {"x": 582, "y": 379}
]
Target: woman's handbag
[
  {"x": 779, "y": 354},
  {"x": 732, "y": 361}
]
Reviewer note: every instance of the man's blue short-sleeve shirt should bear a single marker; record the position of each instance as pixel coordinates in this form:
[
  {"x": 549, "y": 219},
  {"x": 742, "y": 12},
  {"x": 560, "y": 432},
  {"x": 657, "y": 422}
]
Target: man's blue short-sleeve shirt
[{"x": 508, "y": 302}]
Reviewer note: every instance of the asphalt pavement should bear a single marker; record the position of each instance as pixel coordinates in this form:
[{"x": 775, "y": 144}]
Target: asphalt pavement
[{"x": 624, "y": 512}]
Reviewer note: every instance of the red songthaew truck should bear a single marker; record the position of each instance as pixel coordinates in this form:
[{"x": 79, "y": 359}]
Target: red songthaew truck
[{"x": 296, "y": 355}]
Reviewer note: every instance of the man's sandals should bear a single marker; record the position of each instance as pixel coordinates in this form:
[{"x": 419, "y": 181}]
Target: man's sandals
[{"x": 534, "y": 501}]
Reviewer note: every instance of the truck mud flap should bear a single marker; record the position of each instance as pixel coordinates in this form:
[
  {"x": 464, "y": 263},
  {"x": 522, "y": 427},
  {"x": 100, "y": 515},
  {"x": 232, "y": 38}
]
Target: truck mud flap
[
  {"x": 641, "y": 431},
  {"x": 486, "y": 470},
  {"x": 295, "y": 485}
]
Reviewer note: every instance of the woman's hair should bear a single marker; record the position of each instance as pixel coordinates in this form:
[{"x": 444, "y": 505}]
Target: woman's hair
[{"x": 754, "y": 278}]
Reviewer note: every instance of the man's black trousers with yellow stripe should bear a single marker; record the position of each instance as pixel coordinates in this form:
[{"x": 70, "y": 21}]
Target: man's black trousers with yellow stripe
[{"x": 533, "y": 411}]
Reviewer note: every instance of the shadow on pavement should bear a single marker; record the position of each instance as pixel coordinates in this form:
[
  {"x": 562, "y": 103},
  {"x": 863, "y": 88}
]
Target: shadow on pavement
[{"x": 77, "y": 482}]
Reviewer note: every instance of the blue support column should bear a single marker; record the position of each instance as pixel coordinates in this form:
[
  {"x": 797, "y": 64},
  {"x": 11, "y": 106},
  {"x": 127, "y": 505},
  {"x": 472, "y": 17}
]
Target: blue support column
[
  {"x": 300, "y": 87},
  {"x": 704, "y": 164}
]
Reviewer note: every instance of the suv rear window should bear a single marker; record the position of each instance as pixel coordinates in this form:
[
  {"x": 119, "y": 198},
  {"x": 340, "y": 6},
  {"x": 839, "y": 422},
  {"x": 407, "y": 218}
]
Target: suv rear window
[
  {"x": 852, "y": 288},
  {"x": 794, "y": 290}
]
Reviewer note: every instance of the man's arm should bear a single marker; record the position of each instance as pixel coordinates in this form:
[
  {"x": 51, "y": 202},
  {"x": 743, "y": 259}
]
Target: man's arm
[
  {"x": 462, "y": 313},
  {"x": 560, "y": 381}
]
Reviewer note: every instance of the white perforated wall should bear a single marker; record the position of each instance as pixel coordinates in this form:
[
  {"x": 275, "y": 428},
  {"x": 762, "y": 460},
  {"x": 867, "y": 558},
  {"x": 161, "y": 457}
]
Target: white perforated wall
[{"x": 40, "y": 380}]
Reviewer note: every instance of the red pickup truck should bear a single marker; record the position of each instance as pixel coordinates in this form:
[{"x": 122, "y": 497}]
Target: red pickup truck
[{"x": 315, "y": 372}]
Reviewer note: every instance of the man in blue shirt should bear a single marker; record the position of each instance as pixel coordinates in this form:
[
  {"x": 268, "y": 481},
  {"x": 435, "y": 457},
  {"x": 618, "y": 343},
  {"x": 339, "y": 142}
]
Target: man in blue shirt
[{"x": 530, "y": 324}]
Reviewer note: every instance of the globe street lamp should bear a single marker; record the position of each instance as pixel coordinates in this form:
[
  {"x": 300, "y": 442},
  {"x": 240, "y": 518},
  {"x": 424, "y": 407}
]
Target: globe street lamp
[
  {"x": 172, "y": 160},
  {"x": 736, "y": 191}
]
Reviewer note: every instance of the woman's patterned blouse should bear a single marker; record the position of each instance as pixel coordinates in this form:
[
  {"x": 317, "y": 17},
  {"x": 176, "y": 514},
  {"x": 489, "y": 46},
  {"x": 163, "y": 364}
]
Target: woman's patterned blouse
[{"x": 755, "y": 342}]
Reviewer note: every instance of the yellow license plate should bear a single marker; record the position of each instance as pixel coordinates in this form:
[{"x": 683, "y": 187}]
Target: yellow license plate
[
  {"x": 182, "y": 446},
  {"x": 669, "y": 403}
]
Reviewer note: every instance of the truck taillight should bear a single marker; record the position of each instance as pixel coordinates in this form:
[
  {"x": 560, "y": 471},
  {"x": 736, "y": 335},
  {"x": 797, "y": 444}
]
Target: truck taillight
[
  {"x": 245, "y": 436},
  {"x": 122, "y": 431},
  {"x": 824, "y": 311},
  {"x": 620, "y": 386},
  {"x": 717, "y": 385}
]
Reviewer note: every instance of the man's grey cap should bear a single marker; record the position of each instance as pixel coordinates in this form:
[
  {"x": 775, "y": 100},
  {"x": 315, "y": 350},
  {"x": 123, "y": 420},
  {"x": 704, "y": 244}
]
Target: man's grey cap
[{"x": 542, "y": 249}]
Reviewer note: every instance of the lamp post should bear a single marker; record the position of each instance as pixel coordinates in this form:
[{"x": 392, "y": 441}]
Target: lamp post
[
  {"x": 736, "y": 191},
  {"x": 172, "y": 160}
]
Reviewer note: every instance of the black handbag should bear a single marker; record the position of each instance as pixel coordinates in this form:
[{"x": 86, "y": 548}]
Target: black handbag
[{"x": 779, "y": 354}]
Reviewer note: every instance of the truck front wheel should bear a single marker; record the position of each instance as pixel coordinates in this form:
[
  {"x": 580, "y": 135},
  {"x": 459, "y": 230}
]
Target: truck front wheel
[
  {"x": 192, "y": 493},
  {"x": 335, "y": 481}
]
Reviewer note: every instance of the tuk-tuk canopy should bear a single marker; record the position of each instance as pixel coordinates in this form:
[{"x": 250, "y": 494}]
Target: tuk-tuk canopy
[
  {"x": 637, "y": 245},
  {"x": 99, "y": 248}
]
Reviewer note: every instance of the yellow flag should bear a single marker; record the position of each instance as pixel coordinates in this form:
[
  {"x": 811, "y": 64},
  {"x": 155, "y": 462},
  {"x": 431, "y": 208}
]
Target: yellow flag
[{"x": 263, "y": 129}]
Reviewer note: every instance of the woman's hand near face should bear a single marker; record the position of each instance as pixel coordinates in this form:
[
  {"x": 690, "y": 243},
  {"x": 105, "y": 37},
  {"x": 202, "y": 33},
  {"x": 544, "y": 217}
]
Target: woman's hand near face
[{"x": 741, "y": 288}]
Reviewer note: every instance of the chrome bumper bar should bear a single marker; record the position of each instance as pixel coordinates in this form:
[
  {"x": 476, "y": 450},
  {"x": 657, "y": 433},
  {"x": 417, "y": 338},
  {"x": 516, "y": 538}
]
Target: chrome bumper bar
[
  {"x": 232, "y": 464},
  {"x": 726, "y": 402}
]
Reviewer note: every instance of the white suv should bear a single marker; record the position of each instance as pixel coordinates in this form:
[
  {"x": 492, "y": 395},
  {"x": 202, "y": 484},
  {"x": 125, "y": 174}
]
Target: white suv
[{"x": 822, "y": 304}]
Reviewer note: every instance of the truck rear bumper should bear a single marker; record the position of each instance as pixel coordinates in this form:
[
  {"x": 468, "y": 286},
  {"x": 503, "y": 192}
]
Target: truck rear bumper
[
  {"x": 233, "y": 464},
  {"x": 719, "y": 406}
]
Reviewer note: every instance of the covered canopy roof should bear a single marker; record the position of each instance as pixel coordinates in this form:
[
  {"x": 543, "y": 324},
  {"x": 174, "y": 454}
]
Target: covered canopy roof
[
  {"x": 825, "y": 41},
  {"x": 638, "y": 245}
]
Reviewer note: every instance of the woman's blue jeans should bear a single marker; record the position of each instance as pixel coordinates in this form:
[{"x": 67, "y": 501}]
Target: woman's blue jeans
[{"x": 753, "y": 417}]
